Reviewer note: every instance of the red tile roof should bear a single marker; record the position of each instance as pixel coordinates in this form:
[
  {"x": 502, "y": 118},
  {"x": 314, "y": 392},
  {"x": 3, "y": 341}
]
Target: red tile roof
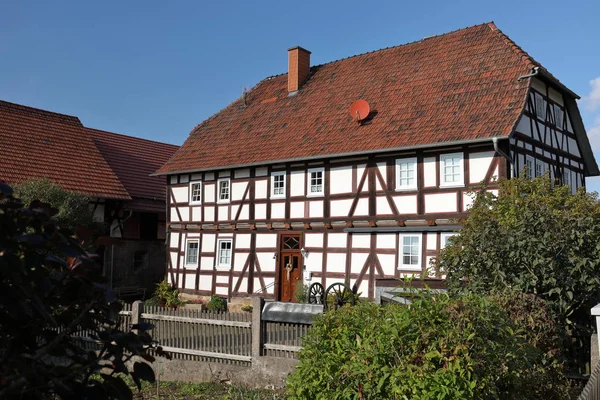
[
  {"x": 460, "y": 86},
  {"x": 37, "y": 143},
  {"x": 133, "y": 160}
]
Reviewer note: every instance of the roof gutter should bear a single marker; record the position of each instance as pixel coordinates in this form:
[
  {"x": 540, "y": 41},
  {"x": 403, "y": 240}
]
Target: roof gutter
[
  {"x": 349, "y": 154},
  {"x": 546, "y": 75}
]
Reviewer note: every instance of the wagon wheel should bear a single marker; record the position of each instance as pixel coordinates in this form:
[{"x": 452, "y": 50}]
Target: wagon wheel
[
  {"x": 338, "y": 295},
  {"x": 315, "y": 293}
]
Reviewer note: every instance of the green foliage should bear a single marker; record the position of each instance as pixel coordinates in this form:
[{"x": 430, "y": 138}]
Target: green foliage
[
  {"x": 247, "y": 308},
  {"x": 216, "y": 303},
  {"x": 166, "y": 295},
  {"x": 534, "y": 237},
  {"x": 301, "y": 292},
  {"x": 437, "y": 348},
  {"x": 72, "y": 209},
  {"x": 50, "y": 293}
]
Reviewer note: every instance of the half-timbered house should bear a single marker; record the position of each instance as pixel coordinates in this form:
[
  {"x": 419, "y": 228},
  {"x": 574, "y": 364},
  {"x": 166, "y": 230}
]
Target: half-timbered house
[{"x": 284, "y": 185}]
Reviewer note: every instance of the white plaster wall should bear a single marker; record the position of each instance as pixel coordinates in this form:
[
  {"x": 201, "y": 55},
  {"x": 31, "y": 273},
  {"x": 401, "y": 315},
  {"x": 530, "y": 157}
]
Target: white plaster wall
[
  {"x": 479, "y": 163},
  {"x": 222, "y": 279},
  {"x": 313, "y": 240},
  {"x": 207, "y": 263},
  {"x": 181, "y": 194},
  {"x": 184, "y": 178},
  {"x": 260, "y": 211},
  {"x": 406, "y": 204},
  {"x": 196, "y": 177},
  {"x": 277, "y": 210},
  {"x": 336, "y": 262},
  {"x": 245, "y": 213},
  {"x": 209, "y": 213},
  {"x": 538, "y": 85},
  {"x": 315, "y": 209},
  {"x": 224, "y": 174},
  {"x": 209, "y": 176},
  {"x": 429, "y": 172},
  {"x": 443, "y": 202},
  {"x": 429, "y": 267},
  {"x": 387, "y": 262},
  {"x": 242, "y": 173},
  {"x": 174, "y": 215},
  {"x": 297, "y": 209},
  {"x": 242, "y": 241},
  {"x": 340, "y": 208},
  {"x": 261, "y": 171},
  {"x": 357, "y": 262},
  {"x": 173, "y": 179},
  {"x": 174, "y": 239},
  {"x": 209, "y": 192},
  {"x": 197, "y": 214},
  {"x": 240, "y": 259},
  {"x": 360, "y": 170},
  {"x": 223, "y": 213},
  {"x": 314, "y": 262},
  {"x": 173, "y": 256},
  {"x": 222, "y": 291},
  {"x": 523, "y": 126},
  {"x": 238, "y": 189},
  {"x": 382, "y": 206},
  {"x": 468, "y": 200},
  {"x": 573, "y": 148},
  {"x": 361, "y": 240},
  {"x": 260, "y": 189},
  {"x": 205, "y": 283},
  {"x": 244, "y": 285},
  {"x": 208, "y": 242},
  {"x": 268, "y": 284},
  {"x": 341, "y": 180},
  {"x": 555, "y": 96},
  {"x": 431, "y": 241},
  {"x": 362, "y": 207},
  {"x": 185, "y": 213},
  {"x": 382, "y": 167},
  {"x": 234, "y": 210},
  {"x": 337, "y": 240},
  {"x": 297, "y": 183},
  {"x": 266, "y": 240},
  {"x": 386, "y": 240}
]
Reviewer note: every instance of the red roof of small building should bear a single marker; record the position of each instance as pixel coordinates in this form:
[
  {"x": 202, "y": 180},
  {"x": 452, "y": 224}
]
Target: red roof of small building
[
  {"x": 133, "y": 160},
  {"x": 36, "y": 143},
  {"x": 460, "y": 86}
]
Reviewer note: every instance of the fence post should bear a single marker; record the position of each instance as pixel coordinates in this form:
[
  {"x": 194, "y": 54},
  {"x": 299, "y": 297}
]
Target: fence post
[
  {"x": 136, "y": 313},
  {"x": 257, "y": 328},
  {"x": 595, "y": 338}
]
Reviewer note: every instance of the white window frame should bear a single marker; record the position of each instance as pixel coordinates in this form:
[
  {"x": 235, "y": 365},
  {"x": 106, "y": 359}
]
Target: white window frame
[
  {"x": 192, "y": 201},
  {"x": 543, "y": 168},
  {"x": 219, "y": 200},
  {"x": 410, "y": 267},
  {"x": 529, "y": 169},
  {"x": 218, "y": 264},
  {"x": 444, "y": 238},
  {"x": 273, "y": 175},
  {"x": 540, "y": 100},
  {"x": 187, "y": 249},
  {"x": 461, "y": 181},
  {"x": 309, "y": 173},
  {"x": 408, "y": 161},
  {"x": 567, "y": 175}
]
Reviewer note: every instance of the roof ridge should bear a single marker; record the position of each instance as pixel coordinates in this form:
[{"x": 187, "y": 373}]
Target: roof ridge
[
  {"x": 514, "y": 46},
  {"x": 132, "y": 137},
  {"x": 24, "y": 108}
]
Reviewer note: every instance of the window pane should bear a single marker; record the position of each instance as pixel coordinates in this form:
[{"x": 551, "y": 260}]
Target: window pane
[
  {"x": 224, "y": 190},
  {"x": 316, "y": 182},
  {"x": 192, "y": 253},
  {"x": 196, "y": 192}
]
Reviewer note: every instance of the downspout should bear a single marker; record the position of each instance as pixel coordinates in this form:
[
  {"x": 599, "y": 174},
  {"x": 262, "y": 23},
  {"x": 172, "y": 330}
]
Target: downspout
[
  {"x": 506, "y": 156},
  {"x": 535, "y": 70},
  {"x": 112, "y": 247}
]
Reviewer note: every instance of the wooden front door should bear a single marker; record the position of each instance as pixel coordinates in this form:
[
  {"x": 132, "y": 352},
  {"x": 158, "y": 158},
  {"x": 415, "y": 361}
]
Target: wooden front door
[{"x": 290, "y": 266}]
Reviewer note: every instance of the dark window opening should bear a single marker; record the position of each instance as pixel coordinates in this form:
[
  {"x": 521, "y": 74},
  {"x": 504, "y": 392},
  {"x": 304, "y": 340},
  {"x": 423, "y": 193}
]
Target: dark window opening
[
  {"x": 140, "y": 260},
  {"x": 148, "y": 226}
]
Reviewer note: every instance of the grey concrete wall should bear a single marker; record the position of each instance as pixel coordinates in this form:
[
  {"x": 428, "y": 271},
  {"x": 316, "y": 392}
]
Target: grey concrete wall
[{"x": 125, "y": 275}]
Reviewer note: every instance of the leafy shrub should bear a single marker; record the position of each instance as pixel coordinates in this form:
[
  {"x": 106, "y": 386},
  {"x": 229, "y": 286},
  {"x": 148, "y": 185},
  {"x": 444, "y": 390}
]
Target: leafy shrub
[
  {"x": 216, "y": 303},
  {"x": 166, "y": 295},
  {"x": 301, "y": 292},
  {"x": 247, "y": 308},
  {"x": 437, "y": 348}
]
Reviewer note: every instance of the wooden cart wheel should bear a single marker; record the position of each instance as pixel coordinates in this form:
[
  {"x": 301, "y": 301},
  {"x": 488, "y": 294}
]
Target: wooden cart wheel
[
  {"x": 337, "y": 295},
  {"x": 316, "y": 293}
]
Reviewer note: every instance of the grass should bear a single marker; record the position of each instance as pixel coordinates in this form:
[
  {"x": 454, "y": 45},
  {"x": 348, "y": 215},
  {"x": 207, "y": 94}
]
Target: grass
[{"x": 203, "y": 391}]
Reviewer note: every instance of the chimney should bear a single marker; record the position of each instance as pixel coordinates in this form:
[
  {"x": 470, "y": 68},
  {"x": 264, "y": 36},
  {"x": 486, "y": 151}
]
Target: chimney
[{"x": 298, "y": 67}]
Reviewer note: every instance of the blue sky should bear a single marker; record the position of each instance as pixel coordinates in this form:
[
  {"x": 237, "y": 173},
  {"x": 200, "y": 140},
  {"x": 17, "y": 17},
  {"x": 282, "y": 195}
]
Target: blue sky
[{"x": 155, "y": 69}]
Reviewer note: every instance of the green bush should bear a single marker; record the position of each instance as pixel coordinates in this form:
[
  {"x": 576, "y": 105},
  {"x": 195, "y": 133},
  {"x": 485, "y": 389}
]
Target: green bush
[
  {"x": 165, "y": 295},
  {"x": 301, "y": 292},
  {"x": 437, "y": 348},
  {"x": 216, "y": 303}
]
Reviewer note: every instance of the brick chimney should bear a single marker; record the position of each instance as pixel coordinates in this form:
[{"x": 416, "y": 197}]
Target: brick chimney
[{"x": 298, "y": 67}]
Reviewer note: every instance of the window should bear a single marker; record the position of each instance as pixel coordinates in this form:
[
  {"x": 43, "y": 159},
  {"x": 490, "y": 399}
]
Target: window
[
  {"x": 140, "y": 260},
  {"x": 406, "y": 174},
  {"x": 451, "y": 169},
  {"x": 444, "y": 238},
  {"x": 410, "y": 252},
  {"x": 196, "y": 193},
  {"x": 191, "y": 252},
  {"x": 540, "y": 168},
  {"x": 566, "y": 177},
  {"x": 278, "y": 184},
  {"x": 558, "y": 116},
  {"x": 224, "y": 247},
  {"x": 540, "y": 106},
  {"x": 316, "y": 181},
  {"x": 529, "y": 167},
  {"x": 224, "y": 191}
]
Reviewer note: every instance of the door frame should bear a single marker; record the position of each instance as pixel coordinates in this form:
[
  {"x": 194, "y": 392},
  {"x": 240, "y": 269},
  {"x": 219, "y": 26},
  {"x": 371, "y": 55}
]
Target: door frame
[{"x": 280, "y": 236}]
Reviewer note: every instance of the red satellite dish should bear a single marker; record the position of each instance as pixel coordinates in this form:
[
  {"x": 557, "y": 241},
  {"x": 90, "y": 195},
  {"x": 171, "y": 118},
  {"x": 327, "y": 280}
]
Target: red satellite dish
[{"x": 359, "y": 110}]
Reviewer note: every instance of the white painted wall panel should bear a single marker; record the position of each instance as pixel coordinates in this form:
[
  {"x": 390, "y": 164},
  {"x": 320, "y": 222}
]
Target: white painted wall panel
[
  {"x": 209, "y": 192},
  {"x": 222, "y": 279},
  {"x": 242, "y": 241},
  {"x": 223, "y": 213},
  {"x": 260, "y": 189},
  {"x": 260, "y": 211},
  {"x": 239, "y": 260},
  {"x": 357, "y": 262},
  {"x": 207, "y": 263},
  {"x": 297, "y": 209},
  {"x": 429, "y": 172},
  {"x": 245, "y": 213},
  {"x": 443, "y": 202},
  {"x": 205, "y": 283},
  {"x": 312, "y": 240},
  {"x": 196, "y": 177},
  {"x": 193, "y": 235},
  {"x": 431, "y": 241},
  {"x": 315, "y": 209},
  {"x": 479, "y": 163},
  {"x": 196, "y": 214},
  {"x": 341, "y": 180},
  {"x": 362, "y": 207},
  {"x": 243, "y": 286},
  {"x": 524, "y": 126},
  {"x": 185, "y": 213},
  {"x": 237, "y": 190},
  {"x": 174, "y": 215},
  {"x": 337, "y": 240},
  {"x": 340, "y": 208},
  {"x": 209, "y": 176},
  {"x": 242, "y": 173},
  {"x": 573, "y": 148},
  {"x": 209, "y": 213},
  {"x": 181, "y": 194},
  {"x": 468, "y": 200},
  {"x": 266, "y": 240},
  {"x": 386, "y": 240},
  {"x": 173, "y": 256},
  {"x": 336, "y": 262},
  {"x": 361, "y": 240},
  {"x": 382, "y": 206},
  {"x": 173, "y": 179},
  {"x": 360, "y": 170},
  {"x": 387, "y": 262},
  {"x": 406, "y": 204},
  {"x": 268, "y": 283},
  {"x": 184, "y": 178},
  {"x": 277, "y": 210},
  {"x": 224, "y": 174},
  {"x": 208, "y": 242},
  {"x": 428, "y": 264},
  {"x": 222, "y": 291},
  {"x": 174, "y": 239},
  {"x": 261, "y": 171},
  {"x": 381, "y": 166},
  {"x": 297, "y": 183},
  {"x": 314, "y": 262}
]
